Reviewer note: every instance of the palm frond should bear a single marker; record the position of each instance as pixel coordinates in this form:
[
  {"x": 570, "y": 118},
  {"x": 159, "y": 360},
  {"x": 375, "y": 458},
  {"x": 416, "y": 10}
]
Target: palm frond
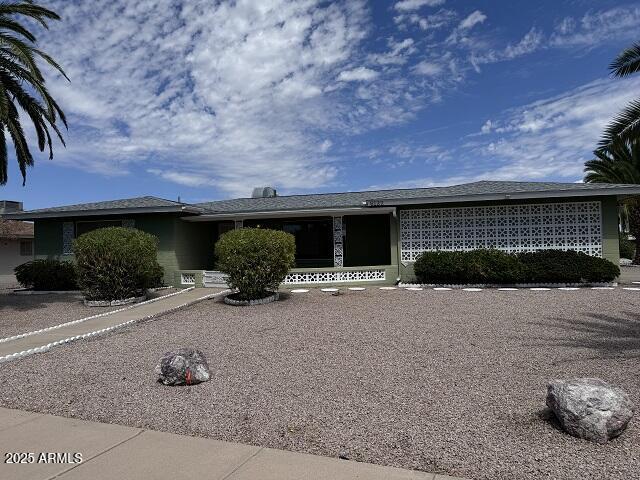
[
  {"x": 627, "y": 62},
  {"x": 625, "y": 125},
  {"x": 4, "y": 163},
  {"x": 22, "y": 85},
  {"x": 618, "y": 163}
]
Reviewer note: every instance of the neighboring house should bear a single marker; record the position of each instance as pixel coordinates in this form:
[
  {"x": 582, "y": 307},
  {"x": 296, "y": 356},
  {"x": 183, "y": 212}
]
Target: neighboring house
[
  {"x": 357, "y": 236},
  {"x": 16, "y": 242}
]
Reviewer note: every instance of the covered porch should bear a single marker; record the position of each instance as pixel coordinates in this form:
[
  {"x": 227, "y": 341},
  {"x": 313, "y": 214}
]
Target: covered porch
[{"x": 338, "y": 246}]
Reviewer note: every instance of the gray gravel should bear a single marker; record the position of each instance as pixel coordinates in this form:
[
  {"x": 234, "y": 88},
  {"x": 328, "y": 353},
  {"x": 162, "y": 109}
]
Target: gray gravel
[
  {"x": 26, "y": 313},
  {"x": 449, "y": 382}
]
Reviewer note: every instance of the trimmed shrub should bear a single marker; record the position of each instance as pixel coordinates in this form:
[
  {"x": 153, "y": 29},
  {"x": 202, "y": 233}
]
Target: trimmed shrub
[
  {"x": 116, "y": 263},
  {"x": 497, "y": 267},
  {"x": 256, "y": 260},
  {"x": 627, "y": 248},
  {"x": 477, "y": 266},
  {"x": 47, "y": 274},
  {"x": 558, "y": 266}
]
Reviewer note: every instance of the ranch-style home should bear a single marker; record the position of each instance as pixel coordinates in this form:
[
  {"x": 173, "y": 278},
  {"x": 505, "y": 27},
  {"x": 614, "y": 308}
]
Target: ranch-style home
[{"x": 355, "y": 237}]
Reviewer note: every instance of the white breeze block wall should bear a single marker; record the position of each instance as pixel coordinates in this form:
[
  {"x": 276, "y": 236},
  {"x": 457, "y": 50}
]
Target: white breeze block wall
[{"x": 512, "y": 228}]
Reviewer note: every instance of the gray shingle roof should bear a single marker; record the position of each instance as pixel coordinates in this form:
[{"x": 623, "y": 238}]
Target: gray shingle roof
[
  {"x": 356, "y": 199},
  {"x": 113, "y": 206},
  {"x": 463, "y": 192}
]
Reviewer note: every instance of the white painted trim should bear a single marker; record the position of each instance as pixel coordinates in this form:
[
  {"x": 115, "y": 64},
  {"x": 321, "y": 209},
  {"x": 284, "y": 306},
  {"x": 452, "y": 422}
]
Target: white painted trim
[
  {"x": 319, "y": 212},
  {"x": 630, "y": 190}
]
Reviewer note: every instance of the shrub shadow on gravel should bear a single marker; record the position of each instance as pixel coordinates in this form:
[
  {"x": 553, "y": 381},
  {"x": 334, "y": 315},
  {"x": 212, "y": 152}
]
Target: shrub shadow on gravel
[
  {"x": 22, "y": 303},
  {"x": 608, "y": 335}
]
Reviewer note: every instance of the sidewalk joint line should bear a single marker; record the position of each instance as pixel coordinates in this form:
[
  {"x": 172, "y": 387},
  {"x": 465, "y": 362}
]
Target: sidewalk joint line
[
  {"x": 64, "y": 472},
  {"x": 251, "y": 457}
]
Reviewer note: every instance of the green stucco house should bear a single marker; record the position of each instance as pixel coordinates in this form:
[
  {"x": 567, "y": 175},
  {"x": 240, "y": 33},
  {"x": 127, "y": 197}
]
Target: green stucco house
[{"x": 355, "y": 237}]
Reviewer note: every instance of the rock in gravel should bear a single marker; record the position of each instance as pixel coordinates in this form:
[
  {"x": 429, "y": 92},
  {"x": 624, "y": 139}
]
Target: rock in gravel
[
  {"x": 185, "y": 366},
  {"x": 590, "y": 408}
]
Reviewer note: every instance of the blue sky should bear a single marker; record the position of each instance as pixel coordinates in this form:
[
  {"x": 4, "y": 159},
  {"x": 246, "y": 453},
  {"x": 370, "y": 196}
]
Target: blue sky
[{"x": 205, "y": 100}]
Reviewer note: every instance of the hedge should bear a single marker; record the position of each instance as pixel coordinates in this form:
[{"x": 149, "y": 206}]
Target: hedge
[
  {"x": 627, "y": 247},
  {"x": 116, "y": 263},
  {"x": 256, "y": 260},
  {"x": 496, "y": 267},
  {"x": 47, "y": 274}
]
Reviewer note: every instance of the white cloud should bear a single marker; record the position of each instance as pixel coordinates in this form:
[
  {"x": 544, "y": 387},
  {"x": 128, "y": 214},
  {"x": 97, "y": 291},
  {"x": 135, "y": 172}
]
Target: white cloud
[
  {"x": 409, "y": 5},
  {"x": 230, "y": 94},
  {"x": 358, "y": 74},
  {"x": 594, "y": 27},
  {"x": 427, "y": 68},
  {"x": 473, "y": 19},
  {"x": 460, "y": 34},
  {"x": 531, "y": 42},
  {"x": 398, "y": 53},
  {"x": 551, "y": 137}
]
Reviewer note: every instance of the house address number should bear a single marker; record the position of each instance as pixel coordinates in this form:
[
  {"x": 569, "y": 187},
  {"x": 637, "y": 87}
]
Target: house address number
[{"x": 374, "y": 203}]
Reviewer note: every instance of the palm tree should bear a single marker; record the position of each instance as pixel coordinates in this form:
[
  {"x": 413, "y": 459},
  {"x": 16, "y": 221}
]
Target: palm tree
[
  {"x": 626, "y": 125},
  {"x": 619, "y": 163},
  {"x": 22, "y": 85}
]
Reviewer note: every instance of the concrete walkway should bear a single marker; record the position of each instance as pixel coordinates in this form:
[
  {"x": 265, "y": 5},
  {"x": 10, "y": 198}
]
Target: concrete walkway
[
  {"x": 147, "y": 310},
  {"x": 117, "y": 452}
]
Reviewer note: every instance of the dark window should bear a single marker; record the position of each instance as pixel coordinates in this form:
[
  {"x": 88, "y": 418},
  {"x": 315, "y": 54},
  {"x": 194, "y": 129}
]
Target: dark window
[
  {"x": 26, "y": 248},
  {"x": 314, "y": 239},
  {"x": 84, "y": 227}
]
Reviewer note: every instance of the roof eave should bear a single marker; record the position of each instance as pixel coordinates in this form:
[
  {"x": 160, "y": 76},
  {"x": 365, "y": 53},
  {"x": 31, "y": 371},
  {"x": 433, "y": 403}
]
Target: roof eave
[
  {"x": 102, "y": 212},
  {"x": 621, "y": 192},
  {"x": 291, "y": 213}
]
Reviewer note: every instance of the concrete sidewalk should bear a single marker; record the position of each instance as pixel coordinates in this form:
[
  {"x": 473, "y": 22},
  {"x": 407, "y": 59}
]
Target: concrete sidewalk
[
  {"x": 117, "y": 452},
  {"x": 140, "y": 312}
]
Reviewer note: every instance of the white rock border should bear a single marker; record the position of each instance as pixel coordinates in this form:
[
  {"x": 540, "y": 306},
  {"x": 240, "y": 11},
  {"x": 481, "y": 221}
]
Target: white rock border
[
  {"x": 517, "y": 285},
  {"x": 114, "y": 303},
  {"x": 48, "y": 346},
  {"x": 245, "y": 303},
  {"x": 74, "y": 322}
]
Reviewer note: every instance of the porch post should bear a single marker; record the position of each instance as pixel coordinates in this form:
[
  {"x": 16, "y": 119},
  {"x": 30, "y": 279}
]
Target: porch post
[
  {"x": 337, "y": 242},
  {"x": 237, "y": 224}
]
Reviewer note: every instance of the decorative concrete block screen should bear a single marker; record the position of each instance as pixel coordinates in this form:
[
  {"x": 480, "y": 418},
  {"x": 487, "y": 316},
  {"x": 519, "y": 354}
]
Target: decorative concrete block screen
[
  {"x": 188, "y": 278},
  {"x": 68, "y": 233},
  {"x": 334, "y": 277},
  {"x": 212, "y": 278},
  {"x": 513, "y": 228}
]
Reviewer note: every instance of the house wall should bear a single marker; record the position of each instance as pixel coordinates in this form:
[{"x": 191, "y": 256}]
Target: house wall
[
  {"x": 609, "y": 212},
  {"x": 179, "y": 245},
  {"x": 188, "y": 246},
  {"x": 10, "y": 257}
]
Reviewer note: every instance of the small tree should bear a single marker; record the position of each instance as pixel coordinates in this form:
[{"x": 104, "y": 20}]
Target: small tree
[
  {"x": 256, "y": 260},
  {"x": 116, "y": 263}
]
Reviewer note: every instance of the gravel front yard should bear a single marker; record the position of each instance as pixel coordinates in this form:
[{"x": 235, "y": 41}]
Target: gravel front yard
[
  {"x": 450, "y": 382},
  {"x": 26, "y": 313}
]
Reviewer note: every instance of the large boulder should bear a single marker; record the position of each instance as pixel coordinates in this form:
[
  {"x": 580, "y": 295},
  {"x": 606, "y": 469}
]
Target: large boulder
[
  {"x": 590, "y": 408},
  {"x": 186, "y": 366}
]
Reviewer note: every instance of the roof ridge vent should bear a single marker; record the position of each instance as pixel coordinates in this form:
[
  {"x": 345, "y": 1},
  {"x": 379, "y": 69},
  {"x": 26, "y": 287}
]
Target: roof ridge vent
[{"x": 263, "y": 192}]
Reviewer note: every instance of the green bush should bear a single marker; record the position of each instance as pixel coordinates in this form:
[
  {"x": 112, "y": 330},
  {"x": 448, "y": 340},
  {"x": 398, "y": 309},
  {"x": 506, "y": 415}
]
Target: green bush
[
  {"x": 256, "y": 260},
  {"x": 477, "y": 266},
  {"x": 558, "y": 266},
  {"x": 496, "y": 267},
  {"x": 116, "y": 263},
  {"x": 627, "y": 248},
  {"x": 47, "y": 274}
]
